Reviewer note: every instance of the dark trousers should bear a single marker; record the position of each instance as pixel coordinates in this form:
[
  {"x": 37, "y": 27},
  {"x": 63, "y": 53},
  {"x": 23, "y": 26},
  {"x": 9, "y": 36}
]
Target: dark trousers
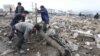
[
  {"x": 20, "y": 36},
  {"x": 45, "y": 26},
  {"x": 12, "y": 33},
  {"x": 20, "y": 39}
]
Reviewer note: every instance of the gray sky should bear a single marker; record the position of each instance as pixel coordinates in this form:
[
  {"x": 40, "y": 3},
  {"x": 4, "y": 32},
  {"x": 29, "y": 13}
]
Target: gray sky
[{"x": 76, "y": 5}]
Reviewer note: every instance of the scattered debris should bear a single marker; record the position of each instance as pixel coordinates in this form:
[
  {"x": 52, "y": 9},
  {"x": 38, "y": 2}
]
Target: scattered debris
[
  {"x": 81, "y": 37},
  {"x": 38, "y": 54},
  {"x": 77, "y": 54},
  {"x": 7, "y": 52}
]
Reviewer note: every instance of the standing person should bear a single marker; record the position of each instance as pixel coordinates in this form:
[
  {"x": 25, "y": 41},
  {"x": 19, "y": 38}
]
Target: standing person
[
  {"x": 10, "y": 10},
  {"x": 23, "y": 31},
  {"x": 96, "y": 16},
  {"x": 17, "y": 18},
  {"x": 44, "y": 16},
  {"x": 19, "y": 9}
]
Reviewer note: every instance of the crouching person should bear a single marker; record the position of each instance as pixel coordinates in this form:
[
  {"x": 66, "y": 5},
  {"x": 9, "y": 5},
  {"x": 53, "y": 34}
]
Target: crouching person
[
  {"x": 18, "y": 18},
  {"x": 23, "y": 31}
]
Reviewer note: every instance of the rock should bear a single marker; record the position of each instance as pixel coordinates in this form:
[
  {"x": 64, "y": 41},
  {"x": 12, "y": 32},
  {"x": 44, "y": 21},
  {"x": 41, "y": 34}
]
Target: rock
[
  {"x": 22, "y": 51},
  {"x": 75, "y": 35},
  {"x": 83, "y": 32},
  {"x": 7, "y": 52},
  {"x": 77, "y": 54},
  {"x": 97, "y": 38},
  {"x": 88, "y": 47},
  {"x": 98, "y": 45},
  {"x": 28, "y": 49},
  {"x": 56, "y": 27},
  {"x": 91, "y": 43},
  {"x": 5, "y": 34},
  {"x": 38, "y": 54},
  {"x": 63, "y": 34},
  {"x": 62, "y": 40},
  {"x": 87, "y": 43},
  {"x": 51, "y": 32},
  {"x": 72, "y": 46}
]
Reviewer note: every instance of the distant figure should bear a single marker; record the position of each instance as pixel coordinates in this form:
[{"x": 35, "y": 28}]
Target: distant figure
[
  {"x": 19, "y": 9},
  {"x": 10, "y": 9},
  {"x": 96, "y": 16},
  {"x": 80, "y": 14},
  {"x": 44, "y": 16}
]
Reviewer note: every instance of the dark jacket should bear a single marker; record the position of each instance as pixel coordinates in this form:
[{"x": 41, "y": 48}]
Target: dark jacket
[
  {"x": 19, "y": 9},
  {"x": 16, "y": 19},
  {"x": 44, "y": 14},
  {"x": 96, "y": 16}
]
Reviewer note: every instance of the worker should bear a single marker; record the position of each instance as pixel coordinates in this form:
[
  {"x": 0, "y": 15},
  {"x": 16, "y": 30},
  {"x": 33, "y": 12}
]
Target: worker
[
  {"x": 10, "y": 10},
  {"x": 19, "y": 9},
  {"x": 17, "y": 18},
  {"x": 44, "y": 16},
  {"x": 96, "y": 16},
  {"x": 23, "y": 31}
]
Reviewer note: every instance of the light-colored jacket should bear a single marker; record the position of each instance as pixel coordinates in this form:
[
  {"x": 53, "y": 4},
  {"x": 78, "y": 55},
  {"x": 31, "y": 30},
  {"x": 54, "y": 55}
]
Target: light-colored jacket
[{"x": 24, "y": 27}]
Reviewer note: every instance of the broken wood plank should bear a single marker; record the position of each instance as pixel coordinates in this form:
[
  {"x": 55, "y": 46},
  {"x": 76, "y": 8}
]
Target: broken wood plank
[{"x": 53, "y": 43}]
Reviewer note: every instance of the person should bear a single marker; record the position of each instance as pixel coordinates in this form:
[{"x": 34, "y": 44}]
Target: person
[
  {"x": 44, "y": 16},
  {"x": 17, "y": 18},
  {"x": 19, "y": 9},
  {"x": 23, "y": 31},
  {"x": 10, "y": 10},
  {"x": 96, "y": 16},
  {"x": 80, "y": 14}
]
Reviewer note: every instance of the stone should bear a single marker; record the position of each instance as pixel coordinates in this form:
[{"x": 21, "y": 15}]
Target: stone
[
  {"x": 87, "y": 43},
  {"x": 88, "y": 47},
  {"x": 72, "y": 46},
  {"x": 75, "y": 35},
  {"x": 83, "y": 32},
  {"x": 51, "y": 32},
  {"x": 5, "y": 34},
  {"x": 38, "y": 54},
  {"x": 28, "y": 49},
  {"x": 98, "y": 45},
  {"x": 97, "y": 38},
  {"x": 7, "y": 52},
  {"x": 77, "y": 54}
]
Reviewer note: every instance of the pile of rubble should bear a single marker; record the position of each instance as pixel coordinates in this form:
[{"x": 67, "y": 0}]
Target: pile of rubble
[{"x": 80, "y": 36}]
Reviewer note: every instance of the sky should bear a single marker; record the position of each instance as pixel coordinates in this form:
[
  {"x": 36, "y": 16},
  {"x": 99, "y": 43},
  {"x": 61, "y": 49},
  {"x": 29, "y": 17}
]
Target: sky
[{"x": 65, "y": 5}]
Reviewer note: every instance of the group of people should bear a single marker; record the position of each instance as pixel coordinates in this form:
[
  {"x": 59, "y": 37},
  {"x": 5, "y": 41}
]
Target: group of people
[{"x": 24, "y": 29}]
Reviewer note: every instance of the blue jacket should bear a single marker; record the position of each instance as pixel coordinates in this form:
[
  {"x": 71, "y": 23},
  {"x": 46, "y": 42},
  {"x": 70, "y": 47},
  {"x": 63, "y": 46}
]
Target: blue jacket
[
  {"x": 19, "y": 9},
  {"x": 44, "y": 14},
  {"x": 16, "y": 19}
]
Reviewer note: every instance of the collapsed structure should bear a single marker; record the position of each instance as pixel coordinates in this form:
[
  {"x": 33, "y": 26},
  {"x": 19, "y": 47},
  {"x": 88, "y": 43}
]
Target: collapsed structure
[{"x": 79, "y": 36}]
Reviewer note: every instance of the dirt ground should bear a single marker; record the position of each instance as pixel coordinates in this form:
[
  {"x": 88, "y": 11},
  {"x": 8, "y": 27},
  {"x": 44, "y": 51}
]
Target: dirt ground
[{"x": 36, "y": 47}]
